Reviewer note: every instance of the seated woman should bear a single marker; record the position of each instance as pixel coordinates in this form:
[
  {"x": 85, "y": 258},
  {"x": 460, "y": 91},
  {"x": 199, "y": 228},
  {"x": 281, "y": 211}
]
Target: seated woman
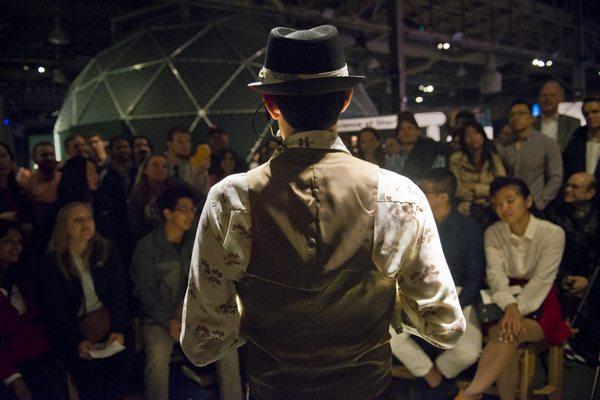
[
  {"x": 520, "y": 250},
  {"x": 84, "y": 301},
  {"x": 80, "y": 182},
  {"x": 27, "y": 367},
  {"x": 229, "y": 163},
  {"x": 369, "y": 146},
  {"x": 142, "y": 213},
  {"x": 475, "y": 167}
]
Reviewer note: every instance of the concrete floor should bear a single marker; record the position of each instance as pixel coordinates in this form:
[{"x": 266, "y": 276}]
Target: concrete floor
[{"x": 578, "y": 382}]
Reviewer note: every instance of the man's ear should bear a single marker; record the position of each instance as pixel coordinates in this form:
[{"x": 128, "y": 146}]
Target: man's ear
[
  {"x": 167, "y": 214},
  {"x": 347, "y": 101},
  {"x": 271, "y": 107}
]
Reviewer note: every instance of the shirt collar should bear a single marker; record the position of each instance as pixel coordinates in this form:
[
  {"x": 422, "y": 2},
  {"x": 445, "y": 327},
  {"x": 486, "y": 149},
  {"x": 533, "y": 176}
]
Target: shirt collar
[
  {"x": 529, "y": 232},
  {"x": 312, "y": 140}
]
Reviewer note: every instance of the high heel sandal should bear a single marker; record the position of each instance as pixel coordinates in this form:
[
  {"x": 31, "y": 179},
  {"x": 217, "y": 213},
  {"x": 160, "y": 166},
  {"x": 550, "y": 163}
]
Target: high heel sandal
[{"x": 461, "y": 396}]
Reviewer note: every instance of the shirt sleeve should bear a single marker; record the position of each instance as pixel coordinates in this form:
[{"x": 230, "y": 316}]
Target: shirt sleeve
[
  {"x": 535, "y": 291},
  {"x": 211, "y": 317},
  {"x": 407, "y": 246},
  {"x": 497, "y": 279},
  {"x": 553, "y": 172}
]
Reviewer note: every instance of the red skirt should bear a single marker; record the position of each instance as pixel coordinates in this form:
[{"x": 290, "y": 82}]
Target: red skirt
[{"x": 549, "y": 316}]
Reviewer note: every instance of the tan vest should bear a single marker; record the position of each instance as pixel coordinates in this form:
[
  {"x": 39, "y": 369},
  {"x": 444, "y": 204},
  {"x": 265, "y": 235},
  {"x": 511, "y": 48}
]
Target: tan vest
[{"x": 315, "y": 309}]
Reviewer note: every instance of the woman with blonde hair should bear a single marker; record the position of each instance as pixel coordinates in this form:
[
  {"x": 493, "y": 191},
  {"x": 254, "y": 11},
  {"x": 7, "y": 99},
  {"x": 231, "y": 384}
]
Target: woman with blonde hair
[{"x": 84, "y": 302}]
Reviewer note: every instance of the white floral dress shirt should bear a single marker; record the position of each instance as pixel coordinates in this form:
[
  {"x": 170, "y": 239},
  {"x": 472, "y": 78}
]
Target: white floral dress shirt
[{"x": 406, "y": 246}]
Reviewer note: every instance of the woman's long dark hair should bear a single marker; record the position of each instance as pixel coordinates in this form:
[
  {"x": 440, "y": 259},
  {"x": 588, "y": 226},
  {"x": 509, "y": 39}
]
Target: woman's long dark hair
[
  {"x": 488, "y": 145},
  {"x": 379, "y": 153},
  {"x": 74, "y": 184}
]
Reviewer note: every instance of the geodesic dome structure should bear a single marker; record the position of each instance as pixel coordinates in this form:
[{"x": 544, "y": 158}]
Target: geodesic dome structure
[{"x": 192, "y": 75}]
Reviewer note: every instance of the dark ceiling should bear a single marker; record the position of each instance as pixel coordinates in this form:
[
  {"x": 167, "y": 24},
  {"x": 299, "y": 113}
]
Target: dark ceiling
[{"x": 516, "y": 31}]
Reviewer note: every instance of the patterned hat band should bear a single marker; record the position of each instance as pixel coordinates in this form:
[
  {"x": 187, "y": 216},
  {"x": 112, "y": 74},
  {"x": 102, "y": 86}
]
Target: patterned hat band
[{"x": 266, "y": 76}]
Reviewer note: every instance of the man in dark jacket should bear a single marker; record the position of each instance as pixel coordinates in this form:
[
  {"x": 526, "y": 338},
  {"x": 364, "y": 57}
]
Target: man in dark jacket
[
  {"x": 462, "y": 243},
  {"x": 557, "y": 126},
  {"x": 160, "y": 267},
  {"x": 583, "y": 151},
  {"x": 578, "y": 214},
  {"x": 418, "y": 153}
]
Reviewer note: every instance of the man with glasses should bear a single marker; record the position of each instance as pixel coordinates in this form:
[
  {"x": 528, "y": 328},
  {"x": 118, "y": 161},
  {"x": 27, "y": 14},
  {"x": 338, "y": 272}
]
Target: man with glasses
[
  {"x": 160, "y": 267},
  {"x": 462, "y": 243},
  {"x": 532, "y": 156},
  {"x": 579, "y": 216},
  {"x": 583, "y": 151}
]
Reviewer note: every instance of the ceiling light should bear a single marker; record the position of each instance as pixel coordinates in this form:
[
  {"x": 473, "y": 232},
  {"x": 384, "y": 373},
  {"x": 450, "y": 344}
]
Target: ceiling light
[
  {"x": 25, "y": 67},
  {"x": 41, "y": 69},
  {"x": 421, "y": 88},
  {"x": 535, "y": 62},
  {"x": 549, "y": 63},
  {"x": 429, "y": 88},
  {"x": 58, "y": 36},
  {"x": 440, "y": 46},
  {"x": 446, "y": 46},
  {"x": 419, "y": 99}
]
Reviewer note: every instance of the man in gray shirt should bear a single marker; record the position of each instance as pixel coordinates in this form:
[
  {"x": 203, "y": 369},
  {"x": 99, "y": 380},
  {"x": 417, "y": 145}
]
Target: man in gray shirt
[{"x": 532, "y": 156}]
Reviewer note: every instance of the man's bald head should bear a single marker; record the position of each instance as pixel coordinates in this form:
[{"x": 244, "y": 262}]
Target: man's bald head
[
  {"x": 581, "y": 187},
  {"x": 551, "y": 95}
]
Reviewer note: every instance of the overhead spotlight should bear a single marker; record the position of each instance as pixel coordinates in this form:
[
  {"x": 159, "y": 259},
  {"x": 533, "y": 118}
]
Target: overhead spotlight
[
  {"x": 421, "y": 88},
  {"x": 535, "y": 62},
  {"x": 549, "y": 63},
  {"x": 440, "y": 46},
  {"x": 41, "y": 69},
  {"x": 58, "y": 36},
  {"x": 429, "y": 89},
  {"x": 419, "y": 99},
  {"x": 25, "y": 67},
  {"x": 446, "y": 46}
]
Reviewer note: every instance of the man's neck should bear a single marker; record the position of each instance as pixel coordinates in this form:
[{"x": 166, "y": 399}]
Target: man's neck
[
  {"x": 47, "y": 175},
  {"x": 581, "y": 205},
  {"x": 101, "y": 158},
  {"x": 524, "y": 134},
  {"x": 173, "y": 159},
  {"x": 594, "y": 132},
  {"x": 550, "y": 114},
  {"x": 441, "y": 213},
  {"x": 406, "y": 148},
  {"x": 285, "y": 130},
  {"x": 174, "y": 233},
  {"x": 121, "y": 166}
]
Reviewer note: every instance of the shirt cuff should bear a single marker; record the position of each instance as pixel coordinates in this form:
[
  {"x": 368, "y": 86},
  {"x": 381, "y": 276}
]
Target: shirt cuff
[
  {"x": 502, "y": 299},
  {"x": 12, "y": 378}
]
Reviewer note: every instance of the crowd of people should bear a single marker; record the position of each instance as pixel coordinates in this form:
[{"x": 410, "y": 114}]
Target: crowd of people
[
  {"x": 90, "y": 244},
  {"x": 505, "y": 224},
  {"x": 106, "y": 236}
]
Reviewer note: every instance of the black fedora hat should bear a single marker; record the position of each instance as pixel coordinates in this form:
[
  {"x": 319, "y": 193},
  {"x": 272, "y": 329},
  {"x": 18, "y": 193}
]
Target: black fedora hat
[{"x": 304, "y": 62}]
